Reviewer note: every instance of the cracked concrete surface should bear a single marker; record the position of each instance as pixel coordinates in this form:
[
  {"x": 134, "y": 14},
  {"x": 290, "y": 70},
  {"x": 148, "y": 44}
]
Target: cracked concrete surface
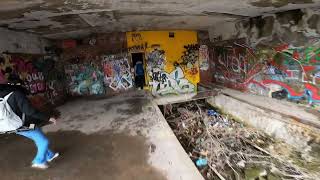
[
  {"x": 120, "y": 138},
  {"x": 42, "y": 17}
]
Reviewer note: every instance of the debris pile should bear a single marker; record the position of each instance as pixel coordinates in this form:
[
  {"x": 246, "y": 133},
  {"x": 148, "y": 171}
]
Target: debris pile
[{"x": 223, "y": 148}]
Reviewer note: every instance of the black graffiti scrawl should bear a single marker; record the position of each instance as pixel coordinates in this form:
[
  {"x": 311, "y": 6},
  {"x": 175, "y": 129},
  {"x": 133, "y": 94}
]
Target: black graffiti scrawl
[{"x": 190, "y": 55}]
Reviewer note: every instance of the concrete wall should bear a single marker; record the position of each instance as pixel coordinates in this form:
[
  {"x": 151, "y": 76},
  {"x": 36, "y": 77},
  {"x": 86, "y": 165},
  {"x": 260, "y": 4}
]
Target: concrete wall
[
  {"x": 278, "y": 56},
  {"x": 22, "y": 55},
  {"x": 88, "y": 67},
  {"x": 19, "y": 42},
  {"x": 295, "y": 27},
  {"x": 171, "y": 62},
  {"x": 110, "y": 43}
]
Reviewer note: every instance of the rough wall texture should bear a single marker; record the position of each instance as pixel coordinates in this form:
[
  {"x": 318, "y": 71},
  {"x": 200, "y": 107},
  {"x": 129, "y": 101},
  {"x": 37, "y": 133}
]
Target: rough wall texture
[
  {"x": 295, "y": 27},
  {"x": 19, "y": 42},
  {"x": 279, "y": 56},
  {"x": 88, "y": 49}
]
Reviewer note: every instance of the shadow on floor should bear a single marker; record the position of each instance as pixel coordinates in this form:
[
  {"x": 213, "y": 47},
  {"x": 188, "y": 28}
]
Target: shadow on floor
[{"x": 100, "y": 156}]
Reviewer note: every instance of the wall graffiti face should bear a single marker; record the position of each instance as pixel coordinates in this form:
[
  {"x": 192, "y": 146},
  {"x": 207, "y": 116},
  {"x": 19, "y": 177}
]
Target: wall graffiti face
[
  {"x": 279, "y": 72},
  {"x": 117, "y": 73},
  {"x": 85, "y": 79}
]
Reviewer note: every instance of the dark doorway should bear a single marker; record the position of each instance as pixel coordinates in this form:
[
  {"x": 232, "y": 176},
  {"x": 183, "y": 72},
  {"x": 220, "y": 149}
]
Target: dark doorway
[
  {"x": 139, "y": 78},
  {"x": 137, "y": 57}
]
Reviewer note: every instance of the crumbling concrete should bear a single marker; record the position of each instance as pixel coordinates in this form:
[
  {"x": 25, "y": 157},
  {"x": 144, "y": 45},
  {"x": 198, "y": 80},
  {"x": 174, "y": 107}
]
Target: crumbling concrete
[
  {"x": 57, "y": 18},
  {"x": 280, "y": 119},
  {"x": 294, "y": 27},
  {"x": 20, "y": 42}
]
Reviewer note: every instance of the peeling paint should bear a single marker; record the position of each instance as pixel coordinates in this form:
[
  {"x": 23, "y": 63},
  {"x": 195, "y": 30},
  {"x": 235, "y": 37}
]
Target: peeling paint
[{"x": 52, "y": 17}]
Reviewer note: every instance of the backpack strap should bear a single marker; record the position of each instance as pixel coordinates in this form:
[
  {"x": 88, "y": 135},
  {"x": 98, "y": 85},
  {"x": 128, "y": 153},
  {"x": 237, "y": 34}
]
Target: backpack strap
[
  {"x": 23, "y": 118},
  {"x": 7, "y": 96}
]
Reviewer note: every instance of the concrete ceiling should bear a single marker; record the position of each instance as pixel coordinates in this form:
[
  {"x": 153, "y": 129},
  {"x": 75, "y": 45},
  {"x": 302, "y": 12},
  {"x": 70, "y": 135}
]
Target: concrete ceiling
[{"x": 58, "y": 19}]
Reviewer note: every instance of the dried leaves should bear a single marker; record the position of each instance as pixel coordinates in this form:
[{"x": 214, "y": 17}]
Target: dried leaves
[{"x": 231, "y": 150}]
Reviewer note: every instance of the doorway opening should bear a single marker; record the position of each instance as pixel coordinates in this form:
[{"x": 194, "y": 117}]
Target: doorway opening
[
  {"x": 137, "y": 57},
  {"x": 139, "y": 69}
]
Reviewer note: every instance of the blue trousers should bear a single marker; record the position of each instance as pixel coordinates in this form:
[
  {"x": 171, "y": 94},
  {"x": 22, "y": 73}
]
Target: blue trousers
[{"x": 42, "y": 143}]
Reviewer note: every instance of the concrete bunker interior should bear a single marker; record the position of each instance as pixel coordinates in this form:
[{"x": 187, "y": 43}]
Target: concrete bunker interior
[{"x": 257, "y": 61}]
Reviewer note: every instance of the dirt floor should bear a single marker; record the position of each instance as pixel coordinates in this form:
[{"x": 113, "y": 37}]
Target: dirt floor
[{"x": 98, "y": 156}]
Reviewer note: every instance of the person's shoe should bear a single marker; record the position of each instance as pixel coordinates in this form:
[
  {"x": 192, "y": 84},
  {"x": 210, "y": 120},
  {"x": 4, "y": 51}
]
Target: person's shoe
[
  {"x": 53, "y": 157},
  {"x": 40, "y": 166}
]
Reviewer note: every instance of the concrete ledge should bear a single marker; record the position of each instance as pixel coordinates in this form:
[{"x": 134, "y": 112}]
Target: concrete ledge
[
  {"x": 184, "y": 97},
  {"x": 283, "y": 125}
]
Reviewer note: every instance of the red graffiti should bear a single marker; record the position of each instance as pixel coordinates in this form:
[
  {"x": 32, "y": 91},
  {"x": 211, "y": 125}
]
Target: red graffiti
[
  {"x": 20, "y": 65},
  {"x": 281, "y": 47}
]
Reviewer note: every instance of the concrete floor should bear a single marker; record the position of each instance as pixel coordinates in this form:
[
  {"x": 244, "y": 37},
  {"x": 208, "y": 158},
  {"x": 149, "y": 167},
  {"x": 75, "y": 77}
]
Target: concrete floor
[{"x": 119, "y": 138}]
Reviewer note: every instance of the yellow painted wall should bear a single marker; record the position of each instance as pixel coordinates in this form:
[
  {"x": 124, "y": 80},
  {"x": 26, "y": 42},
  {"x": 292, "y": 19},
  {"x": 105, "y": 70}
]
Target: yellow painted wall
[{"x": 173, "y": 47}]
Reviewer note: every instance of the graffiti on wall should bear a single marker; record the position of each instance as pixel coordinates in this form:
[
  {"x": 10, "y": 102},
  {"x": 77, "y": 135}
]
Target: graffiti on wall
[
  {"x": 171, "y": 68},
  {"x": 117, "y": 74},
  {"x": 162, "y": 82},
  {"x": 280, "y": 72},
  {"x": 84, "y": 79},
  {"x": 156, "y": 59},
  {"x": 36, "y": 73},
  {"x": 22, "y": 69},
  {"x": 136, "y": 37},
  {"x": 138, "y": 48},
  {"x": 189, "y": 60},
  {"x": 204, "y": 57},
  {"x": 190, "y": 55}
]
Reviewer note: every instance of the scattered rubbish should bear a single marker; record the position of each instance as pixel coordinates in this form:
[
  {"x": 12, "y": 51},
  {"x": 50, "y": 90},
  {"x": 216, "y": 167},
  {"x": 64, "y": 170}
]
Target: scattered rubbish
[
  {"x": 223, "y": 148},
  {"x": 201, "y": 162}
]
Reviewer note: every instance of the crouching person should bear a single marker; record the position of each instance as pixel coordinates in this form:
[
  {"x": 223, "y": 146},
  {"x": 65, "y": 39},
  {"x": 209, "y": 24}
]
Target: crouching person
[{"x": 19, "y": 112}]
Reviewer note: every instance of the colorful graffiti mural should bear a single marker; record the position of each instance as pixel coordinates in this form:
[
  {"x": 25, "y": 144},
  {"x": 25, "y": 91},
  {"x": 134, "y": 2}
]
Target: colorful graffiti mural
[
  {"x": 36, "y": 73},
  {"x": 18, "y": 68},
  {"x": 171, "y": 63},
  {"x": 85, "y": 79},
  {"x": 163, "y": 83},
  {"x": 156, "y": 59},
  {"x": 279, "y": 72},
  {"x": 117, "y": 74}
]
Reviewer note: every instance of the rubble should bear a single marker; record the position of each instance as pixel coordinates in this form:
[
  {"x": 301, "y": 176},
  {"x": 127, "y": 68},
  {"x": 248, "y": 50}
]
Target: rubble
[{"x": 223, "y": 148}]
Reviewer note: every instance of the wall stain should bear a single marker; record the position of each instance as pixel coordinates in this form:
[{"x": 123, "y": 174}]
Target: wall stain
[
  {"x": 96, "y": 156},
  {"x": 278, "y": 3}
]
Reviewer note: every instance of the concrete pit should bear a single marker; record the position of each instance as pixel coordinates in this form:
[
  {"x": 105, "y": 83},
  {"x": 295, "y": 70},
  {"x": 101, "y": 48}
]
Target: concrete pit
[{"x": 232, "y": 149}]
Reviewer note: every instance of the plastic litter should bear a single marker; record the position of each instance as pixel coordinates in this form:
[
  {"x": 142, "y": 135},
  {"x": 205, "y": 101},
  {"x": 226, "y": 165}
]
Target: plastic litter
[{"x": 201, "y": 162}]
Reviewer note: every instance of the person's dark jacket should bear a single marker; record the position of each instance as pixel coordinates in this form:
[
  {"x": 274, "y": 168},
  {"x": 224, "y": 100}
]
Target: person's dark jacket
[{"x": 20, "y": 104}]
